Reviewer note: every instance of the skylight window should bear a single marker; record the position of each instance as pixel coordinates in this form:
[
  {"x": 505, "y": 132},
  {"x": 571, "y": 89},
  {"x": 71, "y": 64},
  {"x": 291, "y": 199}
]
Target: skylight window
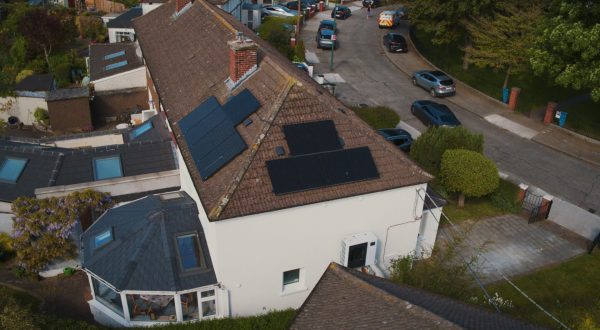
[
  {"x": 189, "y": 251},
  {"x": 115, "y": 65},
  {"x": 114, "y": 55},
  {"x": 103, "y": 238},
  {"x": 171, "y": 195},
  {"x": 145, "y": 127},
  {"x": 11, "y": 169},
  {"x": 107, "y": 168}
]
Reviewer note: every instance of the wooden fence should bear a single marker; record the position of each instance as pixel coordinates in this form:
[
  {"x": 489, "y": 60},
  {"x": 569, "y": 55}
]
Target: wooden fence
[{"x": 106, "y": 6}]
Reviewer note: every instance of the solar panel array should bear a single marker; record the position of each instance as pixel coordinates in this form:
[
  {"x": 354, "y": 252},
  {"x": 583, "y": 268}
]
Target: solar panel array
[
  {"x": 209, "y": 131},
  {"x": 312, "y": 137}
]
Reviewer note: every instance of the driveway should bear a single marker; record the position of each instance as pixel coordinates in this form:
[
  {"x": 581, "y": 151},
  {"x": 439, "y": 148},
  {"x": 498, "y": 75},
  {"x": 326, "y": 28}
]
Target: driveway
[
  {"x": 371, "y": 78},
  {"x": 512, "y": 246}
]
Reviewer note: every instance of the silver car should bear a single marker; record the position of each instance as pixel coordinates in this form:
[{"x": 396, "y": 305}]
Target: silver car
[{"x": 436, "y": 82}]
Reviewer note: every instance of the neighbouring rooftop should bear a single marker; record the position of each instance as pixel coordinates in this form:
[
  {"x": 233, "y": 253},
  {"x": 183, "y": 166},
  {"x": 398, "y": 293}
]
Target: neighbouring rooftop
[
  {"x": 110, "y": 59},
  {"x": 125, "y": 20},
  {"x": 36, "y": 83}
]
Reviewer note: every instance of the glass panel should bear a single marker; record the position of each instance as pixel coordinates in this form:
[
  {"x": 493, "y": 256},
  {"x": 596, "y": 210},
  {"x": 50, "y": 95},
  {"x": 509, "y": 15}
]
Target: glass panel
[
  {"x": 209, "y": 293},
  {"x": 209, "y": 308},
  {"x": 291, "y": 276},
  {"x": 11, "y": 169},
  {"x": 107, "y": 296},
  {"x": 152, "y": 308},
  {"x": 113, "y": 55},
  {"x": 115, "y": 65},
  {"x": 189, "y": 251},
  {"x": 145, "y": 127},
  {"x": 189, "y": 306},
  {"x": 103, "y": 238},
  {"x": 106, "y": 168}
]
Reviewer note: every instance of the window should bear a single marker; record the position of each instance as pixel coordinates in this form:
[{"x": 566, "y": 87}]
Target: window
[
  {"x": 145, "y": 127},
  {"x": 209, "y": 306},
  {"x": 291, "y": 277},
  {"x": 171, "y": 195},
  {"x": 123, "y": 36},
  {"x": 189, "y": 251},
  {"x": 107, "y": 296},
  {"x": 11, "y": 169},
  {"x": 103, "y": 238},
  {"x": 115, "y": 65},
  {"x": 107, "y": 168},
  {"x": 113, "y": 55}
]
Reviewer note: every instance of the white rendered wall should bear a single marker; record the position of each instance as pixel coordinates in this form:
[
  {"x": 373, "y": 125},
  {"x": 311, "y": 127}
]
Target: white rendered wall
[
  {"x": 254, "y": 251},
  {"x": 130, "y": 79},
  {"x": 112, "y": 33},
  {"x": 428, "y": 231},
  {"x": 23, "y": 108},
  {"x": 148, "y": 7}
]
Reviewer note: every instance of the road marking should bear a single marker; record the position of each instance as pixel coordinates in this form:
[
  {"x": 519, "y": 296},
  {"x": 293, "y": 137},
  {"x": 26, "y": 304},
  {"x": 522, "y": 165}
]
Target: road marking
[
  {"x": 511, "y": 126},
  {"x": 333, "y": 78},
  {"x": 354, "y": 8}
]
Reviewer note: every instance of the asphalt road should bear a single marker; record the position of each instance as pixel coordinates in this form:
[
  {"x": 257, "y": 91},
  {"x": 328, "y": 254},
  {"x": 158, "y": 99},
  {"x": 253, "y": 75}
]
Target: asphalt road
[{"x": 372, "y": 79}]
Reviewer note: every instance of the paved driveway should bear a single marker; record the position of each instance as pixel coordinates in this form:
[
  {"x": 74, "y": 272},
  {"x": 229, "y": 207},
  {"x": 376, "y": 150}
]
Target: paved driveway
[{"x": 514, "y": 247}]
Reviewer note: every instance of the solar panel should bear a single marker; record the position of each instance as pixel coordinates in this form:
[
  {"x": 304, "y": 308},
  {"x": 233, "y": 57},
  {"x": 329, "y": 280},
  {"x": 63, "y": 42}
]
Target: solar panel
[
  {"x": 145, "y": 127},
  {"x": 241, "y": 106},
  {"x": 11, "y": 169},
  {"x": 115, "y": 65},
  {"x": 113, "y": 55},
  {"x": 308, "y": 138},
  {"x": 321, "y": 170}
]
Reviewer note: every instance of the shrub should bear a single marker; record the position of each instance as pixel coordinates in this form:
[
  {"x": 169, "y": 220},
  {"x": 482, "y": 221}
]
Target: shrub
[
  {"x": 69, "y": 271},
  {"x": 505, "y": 197},
  {"x": 6, "y": 248},
  {"x": 62, "y": 74},
  {"x": 41, "y": 116},
  {"x": 428, "y": 149},
  {"x": 468, "y": 173},
  {"x": 23, "y": 74},
  {"x": 276, "y": 31},
  {"x": 378, "y": 117},
  {"x": 299, "y": 51},
  {"x": 19, "y": 271}
]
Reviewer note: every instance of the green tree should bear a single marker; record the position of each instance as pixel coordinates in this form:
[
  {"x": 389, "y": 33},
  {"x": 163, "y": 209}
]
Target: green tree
[
  {"x": 503, "y": 41},
  {"x": 567, "y": 49},
  {"x": 428, "y": 149},
  {"x": 18, "y": 53},
  {"x": 468, "y": 173},
  {"x": 299, "y": 51}
]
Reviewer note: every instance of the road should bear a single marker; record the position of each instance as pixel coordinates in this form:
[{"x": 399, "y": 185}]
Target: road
[{"x": 372, "y": 79}]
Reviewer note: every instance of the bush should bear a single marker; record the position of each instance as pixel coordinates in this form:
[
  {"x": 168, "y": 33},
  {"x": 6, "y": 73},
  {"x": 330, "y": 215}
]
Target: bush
[
  {"x": 276, "y": 31},
  {"x": 378, "y": 117},
  {"x": 6, "y": 248},
  {"x": 19, "y": 271},
  {"x": 299, "y": 51},
  {"x": 23, "y": 74},
  {"x": 41, "y": 116},
  {"x": 62, "y": 74},
  {"x": 468, "y": 173},
  {"x": 505, "y": 197},
  {"x": 428, "y": 149}
]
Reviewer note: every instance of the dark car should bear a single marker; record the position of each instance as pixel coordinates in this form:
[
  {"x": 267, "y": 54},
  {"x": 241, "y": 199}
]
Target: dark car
[
  {"x": 434, "y": 114},
  {"x": 328, "y": 24},
  {"x": 399, "y": 137},
  {"x": 395, "y": 42},
  {"x": 436, "y": 82},
  {"x": 372, "y": 3},
  {"x": 341, "y": 12},
  {"x": 326, "y": 39},
  {"x": 293, "y": 5}
]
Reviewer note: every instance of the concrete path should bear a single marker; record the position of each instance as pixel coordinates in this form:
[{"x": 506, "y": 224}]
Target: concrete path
[{"x": 513, "y": 247}]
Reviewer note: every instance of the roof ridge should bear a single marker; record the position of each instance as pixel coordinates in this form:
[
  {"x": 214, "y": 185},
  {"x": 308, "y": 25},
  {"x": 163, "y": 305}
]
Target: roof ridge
[
  {"x": 224, "y": 200},
  {"x": 56, "y": 169}
]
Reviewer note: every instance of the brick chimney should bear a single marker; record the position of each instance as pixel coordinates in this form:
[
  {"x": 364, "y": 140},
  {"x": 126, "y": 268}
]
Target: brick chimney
[
  {"x": 179, "y": 4},
  {"x": 242, "y": 58}
]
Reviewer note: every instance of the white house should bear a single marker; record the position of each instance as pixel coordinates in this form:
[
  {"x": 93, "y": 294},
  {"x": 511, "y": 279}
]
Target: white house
[
  {"x": 115, "y": 67},
  {"x": 286, "y": 179},
  {"x": 120, "y": 29}
]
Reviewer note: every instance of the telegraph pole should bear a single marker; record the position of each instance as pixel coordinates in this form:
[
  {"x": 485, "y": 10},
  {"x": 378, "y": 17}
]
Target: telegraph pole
[{"x": 333, "y": 37}]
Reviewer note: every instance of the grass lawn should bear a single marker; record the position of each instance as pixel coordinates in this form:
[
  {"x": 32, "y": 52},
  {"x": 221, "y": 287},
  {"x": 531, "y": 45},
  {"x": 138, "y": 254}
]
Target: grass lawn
[
  {"x": 378, "y": 117},
  {"x": 536, "y": 91},
  {"x": 570, "y": 291},
  {"x": 272, "y": 321},
  {"x": 483, "y": 207}
]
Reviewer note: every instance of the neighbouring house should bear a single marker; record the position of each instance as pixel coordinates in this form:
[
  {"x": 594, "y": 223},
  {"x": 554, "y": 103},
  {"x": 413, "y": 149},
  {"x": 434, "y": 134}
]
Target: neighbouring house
[
  {"x": 251, "y": 15},
  {"x": 120, "y": 29},
  {"x": 347, "y": 299},
  {"x": 30, "y": 94},
  {"x": 285, "y": 177},
  {"x": 150, "y": 5},
  {"x": 126, "y": 163},
  {"x": 148, "y": 262}
]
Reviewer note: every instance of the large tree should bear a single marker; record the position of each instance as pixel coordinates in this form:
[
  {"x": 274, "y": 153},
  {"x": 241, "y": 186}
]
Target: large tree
[
  {"x": 503, "y": 41},
  {"x": 567, "y": 49}
]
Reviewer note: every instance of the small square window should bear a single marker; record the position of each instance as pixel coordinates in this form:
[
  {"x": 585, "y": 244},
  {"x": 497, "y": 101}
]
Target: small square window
[
  {"x": 206, "y": 294},
  {"x": 140, "y": 130},
  {"x": 107, "y": 168},
  {"x": 189, "y": 251},
  {"x": 103, "y": 238},
  {"x": 291, "y": 276},
  {"x": 11, "y": 169}
]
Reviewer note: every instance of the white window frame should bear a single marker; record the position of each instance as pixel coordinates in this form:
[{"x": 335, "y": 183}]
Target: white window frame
[{"x": 295, "y": 287}]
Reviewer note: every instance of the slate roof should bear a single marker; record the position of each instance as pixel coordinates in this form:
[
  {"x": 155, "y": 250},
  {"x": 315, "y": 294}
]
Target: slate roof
[
  {"x": 36, "y": 83},
  {"x": 98, "y": 63},
  {"x": 143, "y": 254},
  {"x": 189, "y": 63},
  {"x": 125, "y": 20},
  {"x": 51, "y": 166},
  {"x": 68, "y": 93},
  {"x": 348, "y": 299}
]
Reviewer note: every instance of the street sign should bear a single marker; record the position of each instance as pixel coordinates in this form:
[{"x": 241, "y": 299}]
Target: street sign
[{"x": 333, "y": 37}]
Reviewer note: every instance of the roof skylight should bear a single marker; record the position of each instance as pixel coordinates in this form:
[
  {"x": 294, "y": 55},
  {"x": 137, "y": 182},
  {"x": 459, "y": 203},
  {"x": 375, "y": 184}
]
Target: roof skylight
[
  {"x": 145, "y": 127},
  {"x": 11, "y": 169},
  {"x": 115, "y": 65},
  {"x": 107, "y": 168},
  {"x": 114, "y": 55},
  {"x": 103, "y": 238},
  {"x": 189, "y": 251}
]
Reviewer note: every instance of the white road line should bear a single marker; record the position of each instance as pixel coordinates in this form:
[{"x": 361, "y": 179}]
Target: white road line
[{"x": 511, "y": 126}]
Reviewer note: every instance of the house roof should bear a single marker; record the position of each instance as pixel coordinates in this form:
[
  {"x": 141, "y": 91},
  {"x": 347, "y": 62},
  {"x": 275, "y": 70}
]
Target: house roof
[
  {"x": 348, "y": 299},
  {"x": 143, "y": 253},
  {"x": 188, "y": 58},
  {"x": 100, "y": 58},
  {"x": 68, "y": 93},
  {"x": 36, "y": 83},
  {"x": 124, "y": 21},
  {"x": 52, "y": 166}
]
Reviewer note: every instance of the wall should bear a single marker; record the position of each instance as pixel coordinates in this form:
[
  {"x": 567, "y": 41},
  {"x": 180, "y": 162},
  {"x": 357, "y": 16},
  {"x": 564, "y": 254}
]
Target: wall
[
  {"x": 113, "y": 103},
  {"x": 106, "y": 6},
  {"x": 23, "y": 108},
  {"x": 254, "y": 251},
  {"x": 135, "y": 78},
  {"x": 574, "y": 218},
  {"x": 148, "y": 7},
  {"x": 112, "y": 34},
  {"x": 70, "y": 114}
]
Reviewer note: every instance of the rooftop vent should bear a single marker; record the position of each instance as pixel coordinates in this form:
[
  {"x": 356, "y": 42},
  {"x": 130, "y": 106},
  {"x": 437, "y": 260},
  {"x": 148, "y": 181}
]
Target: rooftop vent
[{"x": 280, "y": 151}]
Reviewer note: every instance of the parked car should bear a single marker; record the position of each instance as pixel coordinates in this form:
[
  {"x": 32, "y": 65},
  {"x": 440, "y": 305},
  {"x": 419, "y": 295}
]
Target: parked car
[
  {"x": 434, "y": 114},
  {"x": 325, "y": 39},
  {"x": 372, "y": 3},
  {"x": 388, "y": 19},
  {"x": 341, "y": 12},
  {"x": 436, "y": 82},
  {"x": 399, "y": 137},
  {"x": 402, "y": 12},
  {"x": 395, "y": 42},
  {"x": 278, "y": 11},
  {"x": 328, "y": 24},
  {"x": 304, "y": 5}
]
